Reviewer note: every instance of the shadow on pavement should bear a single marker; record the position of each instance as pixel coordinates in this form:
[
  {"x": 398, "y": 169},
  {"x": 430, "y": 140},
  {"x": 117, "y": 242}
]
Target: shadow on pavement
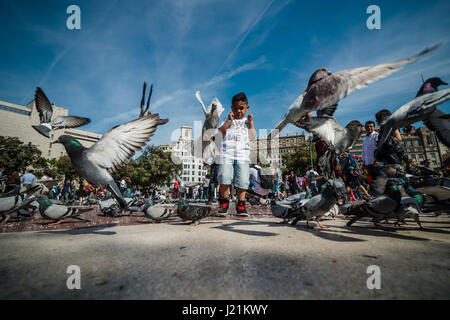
[
  {"x": 84, "y": 230},
  {"x": 231, "y": 227}
]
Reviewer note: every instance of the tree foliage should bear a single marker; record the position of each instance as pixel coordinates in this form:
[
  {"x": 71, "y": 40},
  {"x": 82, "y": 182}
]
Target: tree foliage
[
  {"x": 17, "y": 156},
  {"x": 153, "y": 167},
  {"x": 299, "y": 161}
]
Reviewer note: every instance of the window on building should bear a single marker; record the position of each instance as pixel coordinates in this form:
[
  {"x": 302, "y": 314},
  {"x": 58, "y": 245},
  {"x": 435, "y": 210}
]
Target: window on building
[
  {"x": 2, "y": 107},
  {"x": 193, "y": 173},
  {"x": 420, "y": 156},
  {"x": 434, "y": 162},
  {"x": 433, "y": 156},
  {"x": 49, "y": 152},
  {"x": 199, "y": 179},
  {"x": 199, "y": 167}
]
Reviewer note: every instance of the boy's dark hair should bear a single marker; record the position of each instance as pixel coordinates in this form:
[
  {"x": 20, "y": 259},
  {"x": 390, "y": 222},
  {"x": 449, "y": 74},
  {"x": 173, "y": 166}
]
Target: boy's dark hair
[
  {"x": 382, "y": 115},
  {"x": 369, "y": 122},
  {"x": 239, "y": 97}
]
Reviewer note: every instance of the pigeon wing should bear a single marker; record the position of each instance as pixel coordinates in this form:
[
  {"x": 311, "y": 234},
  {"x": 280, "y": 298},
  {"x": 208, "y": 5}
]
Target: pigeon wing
[
  {"x": 440, "y": 123},
  {"x": 43, "y": 106},
  {"x": 358, "y": 78},
  {"x": 326, "y": 128},
  {"x": 119, "y": 144},
  {"x": 69, "y": 122}
]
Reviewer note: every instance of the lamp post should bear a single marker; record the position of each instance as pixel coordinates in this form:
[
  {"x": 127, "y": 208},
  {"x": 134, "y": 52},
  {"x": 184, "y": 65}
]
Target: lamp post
[{"x": 310, "y": 149}]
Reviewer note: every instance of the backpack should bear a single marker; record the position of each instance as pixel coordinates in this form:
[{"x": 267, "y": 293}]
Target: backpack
[{"x": 266, "y": 180}]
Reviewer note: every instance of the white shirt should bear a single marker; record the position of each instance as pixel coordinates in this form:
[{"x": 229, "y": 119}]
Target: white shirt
[
  {"x": 236, "y": 142},
  {"x": 369, "y": 147},
  {"x": 254, "y": 175}
]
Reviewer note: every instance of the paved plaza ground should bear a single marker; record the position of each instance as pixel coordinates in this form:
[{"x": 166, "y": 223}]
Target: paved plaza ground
[{"x": 253, "y": 258}]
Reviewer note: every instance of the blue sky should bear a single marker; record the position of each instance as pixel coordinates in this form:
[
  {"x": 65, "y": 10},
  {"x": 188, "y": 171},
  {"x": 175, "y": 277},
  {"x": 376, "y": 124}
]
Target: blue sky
[{"x": 266, "y": 48}]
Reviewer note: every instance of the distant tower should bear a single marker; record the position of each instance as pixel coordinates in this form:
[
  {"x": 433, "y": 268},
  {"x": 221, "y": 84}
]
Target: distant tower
[{"x": 186, "y": 133}]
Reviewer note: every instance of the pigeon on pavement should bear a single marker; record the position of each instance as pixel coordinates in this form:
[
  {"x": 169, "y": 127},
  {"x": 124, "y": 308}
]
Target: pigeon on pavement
[{"x": 58, "y": 212}]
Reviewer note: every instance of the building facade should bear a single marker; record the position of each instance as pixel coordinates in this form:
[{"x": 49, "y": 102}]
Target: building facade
[
  {"x": 193, "y": 170},
  {"x": 17, "y": 120},
  {"x": 420, "y": 145},
  {"x": 272, "y": 150}
]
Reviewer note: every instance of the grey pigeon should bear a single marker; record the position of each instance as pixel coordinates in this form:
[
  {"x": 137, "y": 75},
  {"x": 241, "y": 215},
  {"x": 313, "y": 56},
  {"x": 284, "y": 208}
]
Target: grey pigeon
[
  {"x": 439, "y": 122},
  {"x": 316, "y": 207},
  {"x": 145, "y": 109},
  {"x": 191, "y": 212},
  {"x": 283, "y": 208},
  {"x": 382, "y": 206},
  {"x": 17, "y": 199},
  {"x": 431, "y": 85},
  {"x": 158, "y": 211},
  {"x": 45, "y": 110},
  {"x": 419, "y": 109},
  {"x": 57, "y": 212},
  {"x": 336, "y": 138},
  {"x": 325, "y": 89},
  {"x": 111, "y": 152}
]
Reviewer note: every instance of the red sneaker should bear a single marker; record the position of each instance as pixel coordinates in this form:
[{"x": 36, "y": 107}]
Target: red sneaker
[
  {"x": 223, "y": 205},
  {"x": 240, "y": 209}
]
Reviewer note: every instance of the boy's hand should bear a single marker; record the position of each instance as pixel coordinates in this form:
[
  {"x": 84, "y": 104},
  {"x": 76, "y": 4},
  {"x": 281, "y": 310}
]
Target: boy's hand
[
  {"x": 231, "y": 116},
  {"x": 250, "y": 117}
]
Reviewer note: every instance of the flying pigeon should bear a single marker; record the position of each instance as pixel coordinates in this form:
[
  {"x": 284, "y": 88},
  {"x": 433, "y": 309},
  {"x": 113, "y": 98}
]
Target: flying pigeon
[
  {"x": 431, "y": 85},
  {"x": 111, "y": 152},
  {"x": 45, "y": 110},
  {"x": 212, "y": 116},
  {"x": 337, "y": 138},
  {"x": 421, "y": 108},
  {"x": 331, "y": 191},
  {"x": 325, "y": 89},
  {"x": 57, "y": 212},
  {"x": 145, "y": 110}
]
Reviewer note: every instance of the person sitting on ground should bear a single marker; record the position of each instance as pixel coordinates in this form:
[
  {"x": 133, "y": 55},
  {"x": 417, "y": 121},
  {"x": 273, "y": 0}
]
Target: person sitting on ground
[{"x": 256, "y": 187}]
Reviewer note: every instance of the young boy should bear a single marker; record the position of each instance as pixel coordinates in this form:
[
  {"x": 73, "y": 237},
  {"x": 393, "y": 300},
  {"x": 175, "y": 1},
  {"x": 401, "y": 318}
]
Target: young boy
[{"x": 235, "y": 155}]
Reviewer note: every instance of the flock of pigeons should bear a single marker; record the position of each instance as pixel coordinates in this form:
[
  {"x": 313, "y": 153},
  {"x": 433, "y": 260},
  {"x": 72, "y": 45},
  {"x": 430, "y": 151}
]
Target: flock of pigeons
[{"x": 324, "y": 90}]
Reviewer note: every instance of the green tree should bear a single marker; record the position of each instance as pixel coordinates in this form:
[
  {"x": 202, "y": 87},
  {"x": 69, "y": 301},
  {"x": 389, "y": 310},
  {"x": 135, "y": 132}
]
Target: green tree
[
  {"x": 63, "y": 167},
  {"x": 300, "y": 160},
  {"x": 154, "y": 166},
  {"x": 17, "y": 156}
]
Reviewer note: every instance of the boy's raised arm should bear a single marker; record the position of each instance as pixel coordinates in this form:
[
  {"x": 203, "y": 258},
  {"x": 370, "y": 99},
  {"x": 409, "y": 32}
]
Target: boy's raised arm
[
  {"x": 227, "y": 124},
  {"x": 251, "y": 127}
]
